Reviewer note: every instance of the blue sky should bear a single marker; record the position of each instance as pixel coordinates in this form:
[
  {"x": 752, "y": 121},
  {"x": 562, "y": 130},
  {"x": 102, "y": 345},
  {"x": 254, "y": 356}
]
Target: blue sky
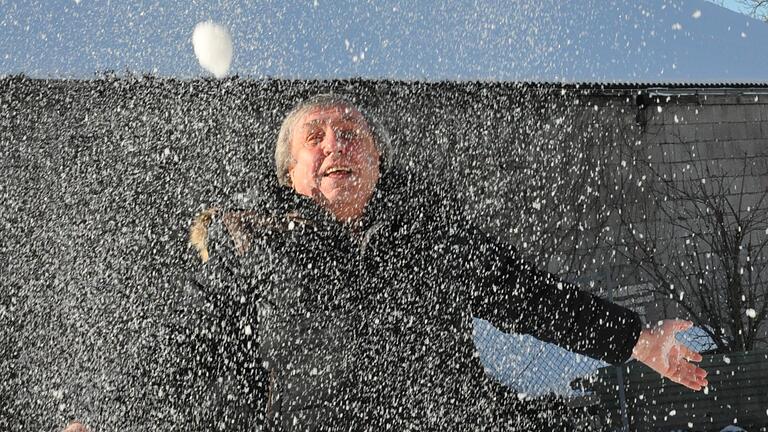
[{"x": 532, "y": 40}]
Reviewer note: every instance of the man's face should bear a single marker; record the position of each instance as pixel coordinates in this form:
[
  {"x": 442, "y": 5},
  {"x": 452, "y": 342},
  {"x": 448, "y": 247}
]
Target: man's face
[{"x": 334, "y": 160}]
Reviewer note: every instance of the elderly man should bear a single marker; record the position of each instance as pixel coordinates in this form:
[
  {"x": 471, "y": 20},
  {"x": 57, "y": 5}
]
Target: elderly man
[{"x": 345, "y": 294}]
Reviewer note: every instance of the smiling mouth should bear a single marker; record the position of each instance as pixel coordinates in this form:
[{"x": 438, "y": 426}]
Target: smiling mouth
[{"x": 338, "y": 172}]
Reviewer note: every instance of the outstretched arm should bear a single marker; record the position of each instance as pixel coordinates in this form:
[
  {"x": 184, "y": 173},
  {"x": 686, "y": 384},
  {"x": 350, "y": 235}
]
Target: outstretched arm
[
  {"x": 659, "y": 350},
  {"x": 516, "y": 297}
]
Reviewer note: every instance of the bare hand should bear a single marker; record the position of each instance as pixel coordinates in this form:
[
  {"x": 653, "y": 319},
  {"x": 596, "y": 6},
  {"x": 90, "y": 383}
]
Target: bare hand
[
  {"x": 659, "y": 350},
  {"x": 76, "y": 426}
]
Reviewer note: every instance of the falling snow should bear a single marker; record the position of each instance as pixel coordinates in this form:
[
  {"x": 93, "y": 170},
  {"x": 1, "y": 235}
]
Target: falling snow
[{"x": 516, "y": 237}]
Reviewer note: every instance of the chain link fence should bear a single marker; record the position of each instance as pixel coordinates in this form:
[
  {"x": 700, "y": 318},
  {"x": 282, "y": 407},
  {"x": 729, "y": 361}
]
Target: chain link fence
[
  {"x": 529, "y": 366},
  {"x": 532, "y": 367}
]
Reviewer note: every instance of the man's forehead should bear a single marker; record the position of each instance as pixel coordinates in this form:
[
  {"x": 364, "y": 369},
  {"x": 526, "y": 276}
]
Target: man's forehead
[{"x": 332, "y": 114}]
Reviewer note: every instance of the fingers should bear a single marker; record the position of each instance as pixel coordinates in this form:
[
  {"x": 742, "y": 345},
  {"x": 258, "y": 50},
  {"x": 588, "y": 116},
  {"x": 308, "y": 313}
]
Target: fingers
[
  {"x": 693, "y": 372},
  {"x": 692, "y": 384},
  {"x": 688, "y": 374},
  {"x": 701, "y": 373},
  {"x": 690, "y": 354}
]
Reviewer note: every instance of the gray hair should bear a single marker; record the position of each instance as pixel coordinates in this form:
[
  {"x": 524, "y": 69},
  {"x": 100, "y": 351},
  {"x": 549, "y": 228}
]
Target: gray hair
[{"x": 283, "y": 161}]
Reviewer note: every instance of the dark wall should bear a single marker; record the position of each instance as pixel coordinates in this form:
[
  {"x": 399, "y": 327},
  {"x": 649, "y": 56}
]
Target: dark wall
[{"x": 101, "y": 178}]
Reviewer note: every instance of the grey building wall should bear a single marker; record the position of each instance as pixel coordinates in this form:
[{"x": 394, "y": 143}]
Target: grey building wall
[
  {"x": 715, "y": 139},
  {"x": 712, "y": 141}
]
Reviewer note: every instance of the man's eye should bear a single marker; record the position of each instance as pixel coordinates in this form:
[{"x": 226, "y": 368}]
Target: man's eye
[
  {"x": 347, "y": 135},
  {"x": 315, "y": 139}
]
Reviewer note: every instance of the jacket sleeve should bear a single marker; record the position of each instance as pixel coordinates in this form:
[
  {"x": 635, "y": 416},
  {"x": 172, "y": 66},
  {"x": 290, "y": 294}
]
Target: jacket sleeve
[
  {"x": 219, "y": 380},
  {"x": 516, "y": 297}
]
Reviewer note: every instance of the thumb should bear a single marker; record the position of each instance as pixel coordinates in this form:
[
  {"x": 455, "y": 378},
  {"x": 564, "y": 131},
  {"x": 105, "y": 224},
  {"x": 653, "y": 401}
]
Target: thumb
[{"x": 681, "y": 325}]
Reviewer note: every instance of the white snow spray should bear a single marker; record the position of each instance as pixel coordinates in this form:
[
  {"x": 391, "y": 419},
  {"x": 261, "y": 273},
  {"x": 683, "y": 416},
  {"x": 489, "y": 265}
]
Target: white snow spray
[{"x": 213, "y": 47}]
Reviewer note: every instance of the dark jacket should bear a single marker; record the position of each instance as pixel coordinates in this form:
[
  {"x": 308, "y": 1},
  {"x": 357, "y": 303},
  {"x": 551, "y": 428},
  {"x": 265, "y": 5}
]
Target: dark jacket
[{"x": 369, "y": 326}]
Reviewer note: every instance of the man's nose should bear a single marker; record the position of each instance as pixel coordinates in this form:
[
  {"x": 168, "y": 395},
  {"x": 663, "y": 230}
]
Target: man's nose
[{"x": 332, "y": 143}]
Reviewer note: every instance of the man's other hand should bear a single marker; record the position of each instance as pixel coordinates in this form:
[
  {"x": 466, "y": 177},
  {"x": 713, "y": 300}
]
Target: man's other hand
[
  {"x": 658, "y": 348},
  {"x": 76, "y": 426}
]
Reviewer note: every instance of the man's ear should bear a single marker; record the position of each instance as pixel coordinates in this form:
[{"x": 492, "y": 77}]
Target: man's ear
[
  {"x": 290, "y": 176},
  {"x": 291, "y": 169}
]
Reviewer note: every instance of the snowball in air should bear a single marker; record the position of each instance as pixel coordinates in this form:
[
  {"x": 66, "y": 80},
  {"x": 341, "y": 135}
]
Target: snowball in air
[
  {"x": 213, "y": 47},
  {"x": 696, "y": 14},
  {"x": 751, "y": 313}
]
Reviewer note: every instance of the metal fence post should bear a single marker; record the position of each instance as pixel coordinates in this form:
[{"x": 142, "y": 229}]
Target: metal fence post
[{"x": 620, "y": 369}]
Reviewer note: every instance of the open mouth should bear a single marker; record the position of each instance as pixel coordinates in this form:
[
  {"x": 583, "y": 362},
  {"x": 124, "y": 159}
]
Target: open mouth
[{"x": 338, "y": 172}]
